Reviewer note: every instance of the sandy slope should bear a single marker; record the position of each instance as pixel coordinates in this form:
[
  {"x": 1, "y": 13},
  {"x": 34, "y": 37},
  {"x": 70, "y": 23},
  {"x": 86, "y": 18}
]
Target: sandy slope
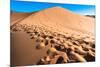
[
  {"x": 16, "y": 17},
  {"x": 23, "y": 51},
  {"x": 62, "y": 20},
  {"x": 52, "y": 36}
]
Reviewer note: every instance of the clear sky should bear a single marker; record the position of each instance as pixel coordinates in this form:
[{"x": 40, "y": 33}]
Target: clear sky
[
  {"x": 25, "y": 6},
  {"x": 85, "y": 2}
]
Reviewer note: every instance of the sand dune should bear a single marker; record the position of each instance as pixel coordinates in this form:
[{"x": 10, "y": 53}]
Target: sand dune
[
  {"x": 52, "y": 36},
  {"x": 62, "y": 20},
  {"x": 16, "y": 17}
]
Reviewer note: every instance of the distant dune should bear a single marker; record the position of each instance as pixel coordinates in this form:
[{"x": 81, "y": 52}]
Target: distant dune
[
  {"x": 51, "y": 36},
  {"x": 93, "y": 16},
  {"x": 16, "y": 17}
]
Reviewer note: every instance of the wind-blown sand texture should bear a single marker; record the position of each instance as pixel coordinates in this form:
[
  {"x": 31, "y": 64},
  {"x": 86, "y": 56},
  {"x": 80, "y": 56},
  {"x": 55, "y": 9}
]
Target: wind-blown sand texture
[{"x": 52, "y": 36}]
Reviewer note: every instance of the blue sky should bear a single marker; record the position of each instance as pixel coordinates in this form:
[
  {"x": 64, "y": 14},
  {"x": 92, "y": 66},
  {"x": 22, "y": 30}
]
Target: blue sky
[{"x": 23, "y": 6}]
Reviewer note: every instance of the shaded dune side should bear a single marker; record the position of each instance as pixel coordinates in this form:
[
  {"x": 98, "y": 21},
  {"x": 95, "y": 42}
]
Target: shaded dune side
[
  {"x": 23, "y": 51},
  {"x": 17, "y": 17}
]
